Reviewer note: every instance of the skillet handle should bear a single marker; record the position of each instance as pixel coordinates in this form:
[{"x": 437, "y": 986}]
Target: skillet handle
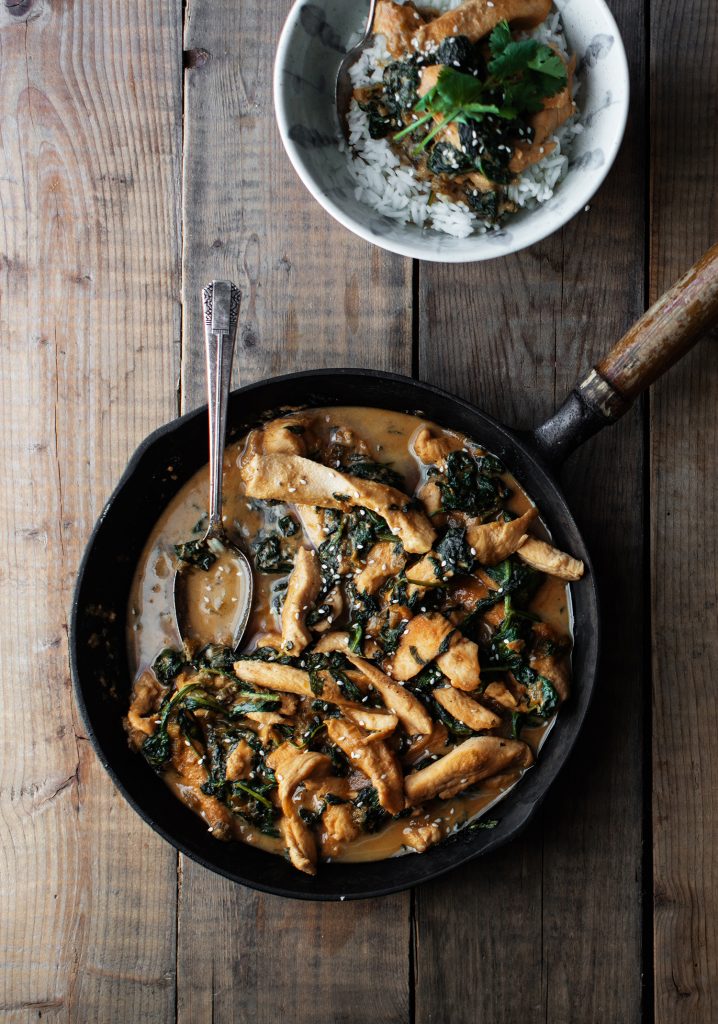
[{"x": 659, "y": 339}]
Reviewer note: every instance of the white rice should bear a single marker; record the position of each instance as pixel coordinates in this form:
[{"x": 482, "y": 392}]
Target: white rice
[{"x": 391, "y": 187}]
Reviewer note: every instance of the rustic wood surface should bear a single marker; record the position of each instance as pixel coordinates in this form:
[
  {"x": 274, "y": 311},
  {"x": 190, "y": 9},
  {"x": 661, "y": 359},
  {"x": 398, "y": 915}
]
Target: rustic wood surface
[{"x": 137, "y": 143}]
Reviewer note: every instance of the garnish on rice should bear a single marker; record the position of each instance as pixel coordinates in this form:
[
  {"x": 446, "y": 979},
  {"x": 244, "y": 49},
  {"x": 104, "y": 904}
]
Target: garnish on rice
[{"x": 470, "y": 102}]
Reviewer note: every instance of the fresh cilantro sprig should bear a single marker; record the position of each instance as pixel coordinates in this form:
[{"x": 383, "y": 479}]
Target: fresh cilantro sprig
[
  {"x": 456, "y": 97},
  {"x": 521, "y": 75}
]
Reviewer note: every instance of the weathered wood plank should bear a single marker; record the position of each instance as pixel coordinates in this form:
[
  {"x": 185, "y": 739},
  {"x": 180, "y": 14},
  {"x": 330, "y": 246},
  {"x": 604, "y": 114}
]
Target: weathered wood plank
[
  {"x": 313, "y": 296},
  {"x": 551, "y": 925},
  {"x": 89, "y": 323},
  {"x": 684, "y": 526}
]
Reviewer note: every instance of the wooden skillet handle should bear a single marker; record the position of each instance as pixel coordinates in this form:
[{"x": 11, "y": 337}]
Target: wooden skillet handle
[
  {"x": 659, "y": 339},
  {"x": 665, "y": 332}
]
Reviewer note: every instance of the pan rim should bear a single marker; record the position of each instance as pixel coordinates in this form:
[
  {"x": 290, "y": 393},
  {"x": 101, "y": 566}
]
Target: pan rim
[{"x": 528, "y": 809}]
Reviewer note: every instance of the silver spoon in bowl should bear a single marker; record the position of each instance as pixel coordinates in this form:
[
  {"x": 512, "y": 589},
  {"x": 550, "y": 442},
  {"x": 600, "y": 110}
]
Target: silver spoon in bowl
[
  {"x": 200, "y": 594},
  {"x": 343, "y": 87}
]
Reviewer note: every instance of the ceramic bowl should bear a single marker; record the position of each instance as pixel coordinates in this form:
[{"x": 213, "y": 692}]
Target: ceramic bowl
[{"x": 313, "y": 41}]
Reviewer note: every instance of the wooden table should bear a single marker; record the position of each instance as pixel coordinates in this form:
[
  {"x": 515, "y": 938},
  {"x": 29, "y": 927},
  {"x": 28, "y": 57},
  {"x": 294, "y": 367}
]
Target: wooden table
[{"x": 139, "y": 159}]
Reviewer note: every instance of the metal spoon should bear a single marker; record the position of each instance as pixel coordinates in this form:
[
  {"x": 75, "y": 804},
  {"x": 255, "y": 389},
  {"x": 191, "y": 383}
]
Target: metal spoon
[
  {"x": 343, "y": 88},
  {"x": 220, "y": 301}
]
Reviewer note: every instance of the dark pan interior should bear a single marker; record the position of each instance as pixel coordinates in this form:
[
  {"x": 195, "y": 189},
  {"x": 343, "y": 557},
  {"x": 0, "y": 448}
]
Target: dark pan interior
[{"x": 97, "y": 640}]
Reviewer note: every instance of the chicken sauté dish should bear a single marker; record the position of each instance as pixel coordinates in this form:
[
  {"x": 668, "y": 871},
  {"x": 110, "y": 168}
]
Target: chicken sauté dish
[{"x": 407, "y": 653}]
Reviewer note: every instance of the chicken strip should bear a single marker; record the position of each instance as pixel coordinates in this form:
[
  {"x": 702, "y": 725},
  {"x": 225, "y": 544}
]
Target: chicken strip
[
  {"x": 460, "y": 664},
  {"x": 433, "y": 450},
  {"x": 409, "y": 710},
  {"x": 293, "y": 766},
  {"x": 375, "y": 760},
  {"x": 379, "y": 724},
  {"x": 493, "y": 542},
  {"x": 292, "y": 478},
  {"x": 305, "y": 582},
  {"x": 465, "y": 709},
  {"x": 273, "y": 675},
  {"x": 476, "y": 18},
  {"x": 473, "y": 760},
  {"x": 384, "y": 560},
  {"x": 239, "y": 762},
  {"x": 546, "y": 558},
  {"x": 425, "y": 573}
]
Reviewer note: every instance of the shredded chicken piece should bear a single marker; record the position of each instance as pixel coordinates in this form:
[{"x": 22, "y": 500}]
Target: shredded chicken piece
[
  {"x": 430, "y": 498},
  {"x": 142, "y": 712},
  {"x": 431, "y": 637},
  {"x": 460, "y": 664},
  {"x": 305, "y": 582},
  {"x": 272, "y": 639},
  {"x": 556, "y": 110},
  {"x": 291, "y": 767},
  {"x": 239, "y": 762},
  {"x": 465, "y": 709},
  {"x": 379, "y": 724},
  {"x": 501, "y": 694},
  {"x": 339, "y": 828},
  {"x": 554, "y": 667},
  {"x": 435, "y": 743},
  {"x": 420, "y": 835},
  {"x": 312, "y": 520},
  {"x": 291, "y": 478},
  {"x": 399, "y": 23},
  {"x": 548, "y": 559},
  {"x": 384, "y": 560},
  {"x": 274, "y": 676},
  {"x": 477, "y": 758},
  {"x": 493, "y": 542},
  {"x": 433, "y": 450},
  {"x": 419, "y": 644},
  {"x": 375, "y": 760},
  {"x": 286, "y": 679},
  {"x": 286, "y": 435},
  {"x": 189, "y": 766},
  {"x": 426, "y": 572},
  {"x": 409, "y": 710},
  {"x": 475, "y": 19}
]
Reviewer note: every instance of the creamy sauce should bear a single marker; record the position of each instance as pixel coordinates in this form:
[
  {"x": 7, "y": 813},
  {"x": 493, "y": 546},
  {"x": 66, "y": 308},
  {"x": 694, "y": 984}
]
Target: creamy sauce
[{"x": 152, "y": 624}]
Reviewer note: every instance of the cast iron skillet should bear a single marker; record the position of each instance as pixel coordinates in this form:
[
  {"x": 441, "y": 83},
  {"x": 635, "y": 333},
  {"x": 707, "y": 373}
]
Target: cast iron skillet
[{"x": 97, "y": 632}]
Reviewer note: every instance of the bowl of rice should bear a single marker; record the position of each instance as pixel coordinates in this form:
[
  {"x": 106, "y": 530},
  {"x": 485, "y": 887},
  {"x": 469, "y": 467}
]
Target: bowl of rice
[{"x": 374, "y": 191}]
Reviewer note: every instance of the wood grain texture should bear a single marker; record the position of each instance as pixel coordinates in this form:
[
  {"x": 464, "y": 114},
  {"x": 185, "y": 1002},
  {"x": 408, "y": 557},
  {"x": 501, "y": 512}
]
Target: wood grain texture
[
  {"x": 552, "y": 923},
  {"x": 89, "y": 261},
  {"x": 312, "y": 296},
  {"x": 684, "y": 526}
]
